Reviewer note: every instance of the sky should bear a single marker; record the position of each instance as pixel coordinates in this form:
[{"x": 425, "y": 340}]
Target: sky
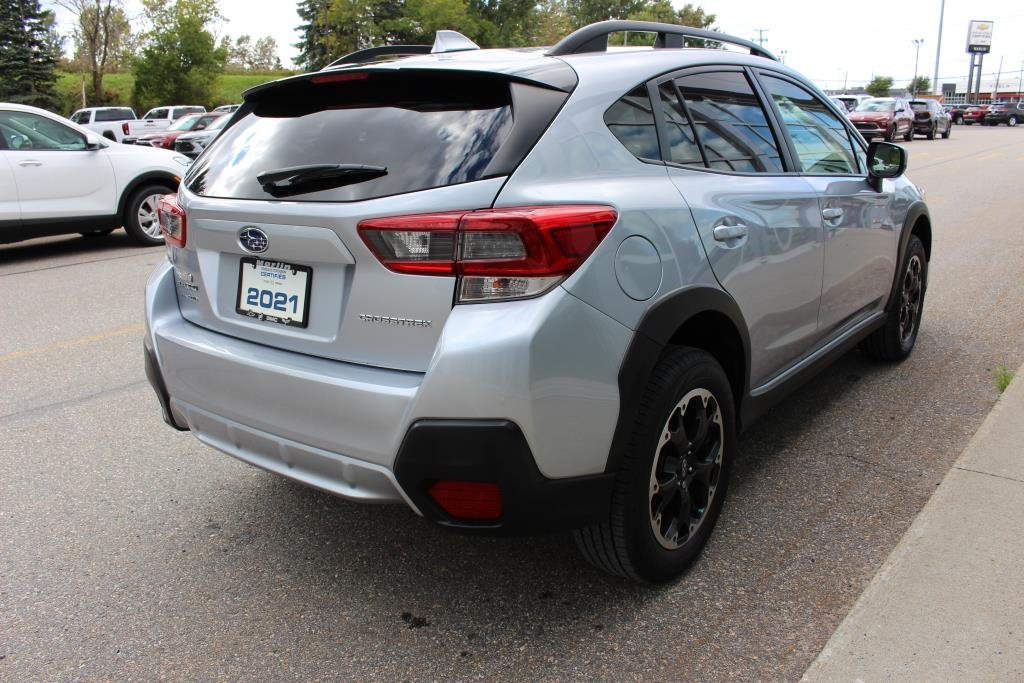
[{"x": 828, "y": 41}]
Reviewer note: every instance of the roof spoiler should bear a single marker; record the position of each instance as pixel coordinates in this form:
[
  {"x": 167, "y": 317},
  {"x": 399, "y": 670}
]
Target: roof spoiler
[{"x": 444, "y": 41}]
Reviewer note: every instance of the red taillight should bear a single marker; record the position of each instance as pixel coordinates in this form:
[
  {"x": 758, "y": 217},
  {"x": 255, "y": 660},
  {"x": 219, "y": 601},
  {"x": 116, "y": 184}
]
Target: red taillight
[
  {"x": 172, "y": 220},
  {"x": 470, "y": 500},
  {"x": 124, "y": 128},
  {"x": 498, "y": 253}
]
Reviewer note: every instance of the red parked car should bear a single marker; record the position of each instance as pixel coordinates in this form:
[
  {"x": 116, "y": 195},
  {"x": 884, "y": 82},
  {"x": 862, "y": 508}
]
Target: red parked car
[
  {"x": 975, "y": 114},
  {"x": 884, "y": 117},
  {"x": 186, "y": 124}
]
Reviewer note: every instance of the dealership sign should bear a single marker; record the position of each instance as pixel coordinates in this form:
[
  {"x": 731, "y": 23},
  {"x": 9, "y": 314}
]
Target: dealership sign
[{"x": 979, "y": 37}]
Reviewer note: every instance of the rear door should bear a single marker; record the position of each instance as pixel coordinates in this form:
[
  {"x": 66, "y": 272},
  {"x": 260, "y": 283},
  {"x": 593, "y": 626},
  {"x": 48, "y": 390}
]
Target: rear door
[
  {"x": 759, "y": 223},
  {"x": 10, "y": 211},
  {"x": 433, "y": 141},
  {"x": 860, "y": 232}
]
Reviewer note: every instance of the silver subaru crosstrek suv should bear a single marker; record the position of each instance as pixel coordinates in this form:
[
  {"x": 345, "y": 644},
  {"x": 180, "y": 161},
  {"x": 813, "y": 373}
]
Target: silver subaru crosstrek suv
[{"x": 529, "y": 290}]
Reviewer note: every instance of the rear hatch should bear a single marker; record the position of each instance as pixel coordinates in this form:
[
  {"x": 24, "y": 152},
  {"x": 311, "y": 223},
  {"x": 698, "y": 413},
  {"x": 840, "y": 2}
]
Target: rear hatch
[{"x": 272, "y": 250}]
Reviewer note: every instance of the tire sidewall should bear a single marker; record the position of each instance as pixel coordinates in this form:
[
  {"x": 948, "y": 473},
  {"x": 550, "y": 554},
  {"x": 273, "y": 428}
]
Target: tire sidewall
[
  {"x": 655, "y": 563},
  {"x": 914, "y": 246},
  {"x": 131, "y": 214}
]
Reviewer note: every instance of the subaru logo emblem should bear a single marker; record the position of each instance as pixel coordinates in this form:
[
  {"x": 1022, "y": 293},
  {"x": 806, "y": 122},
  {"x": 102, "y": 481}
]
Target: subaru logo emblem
[{"x": 253, "y": 240}]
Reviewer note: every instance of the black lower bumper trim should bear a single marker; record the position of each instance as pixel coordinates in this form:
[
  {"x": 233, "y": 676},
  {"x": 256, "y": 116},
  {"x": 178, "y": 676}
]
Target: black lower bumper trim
[
  {"x": 156, "y": 381},
  {"x": 496, "y": 451}
]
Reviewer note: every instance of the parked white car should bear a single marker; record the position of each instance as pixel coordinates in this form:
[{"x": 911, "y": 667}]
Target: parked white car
[
  {"x": 57, "y": 177},
  {"x": 157, "y": 119},
  {"x": 105, "y": 120}
]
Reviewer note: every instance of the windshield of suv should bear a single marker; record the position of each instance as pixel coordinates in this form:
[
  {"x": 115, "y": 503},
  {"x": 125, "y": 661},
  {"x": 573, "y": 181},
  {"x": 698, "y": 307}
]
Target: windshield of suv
[
  {"x": 185, "y": 123},
  {"x": 877, "y": 105},
  {"x": 919, "y": 106},
  {"x": 428, "y": 129}
]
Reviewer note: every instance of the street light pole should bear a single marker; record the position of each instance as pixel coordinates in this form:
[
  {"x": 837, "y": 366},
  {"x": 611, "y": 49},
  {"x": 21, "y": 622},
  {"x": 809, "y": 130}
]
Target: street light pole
[
  {"x": 938, "y": 50},
  {"x": 917, "y": 54}
]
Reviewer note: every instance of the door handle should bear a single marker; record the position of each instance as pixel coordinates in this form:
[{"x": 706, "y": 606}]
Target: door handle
[
  {"x": 724, "y": 233},
  {"x": 832, "y": 214},
  {"x": 30, "y": 162}
]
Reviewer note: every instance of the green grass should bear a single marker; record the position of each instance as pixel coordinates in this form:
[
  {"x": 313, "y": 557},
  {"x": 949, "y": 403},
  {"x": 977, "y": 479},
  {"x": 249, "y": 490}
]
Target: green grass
[
  {"x": 229, "y": 87},
  {"x": 1003, "y": 378}
]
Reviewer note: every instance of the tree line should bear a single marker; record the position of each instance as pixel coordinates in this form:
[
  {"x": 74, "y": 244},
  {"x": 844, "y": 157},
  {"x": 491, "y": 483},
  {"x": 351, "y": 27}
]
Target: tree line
[{"x": 332, "y": 28}]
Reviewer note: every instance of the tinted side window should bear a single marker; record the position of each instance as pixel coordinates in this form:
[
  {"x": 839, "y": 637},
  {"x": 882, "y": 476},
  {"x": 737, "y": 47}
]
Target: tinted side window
[
  {"x": 157, "y": 114},
  {"x": 682, "y": 141},
  {"x": 80, "y": 117},
  {"x": 631, "y": 121},
  {"x": 731, "y": 125},
  {"x": 114, "y": 115},
  {"x": 820, "y": 139}
]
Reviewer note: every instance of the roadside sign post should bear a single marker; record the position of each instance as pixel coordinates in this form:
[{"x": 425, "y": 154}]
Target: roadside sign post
[{"x": 979, "y": 43}]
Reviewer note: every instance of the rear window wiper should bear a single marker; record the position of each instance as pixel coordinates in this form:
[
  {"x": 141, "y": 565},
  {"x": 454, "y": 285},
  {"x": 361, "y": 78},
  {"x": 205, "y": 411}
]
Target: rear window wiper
[{"x": 285, "y": 182}]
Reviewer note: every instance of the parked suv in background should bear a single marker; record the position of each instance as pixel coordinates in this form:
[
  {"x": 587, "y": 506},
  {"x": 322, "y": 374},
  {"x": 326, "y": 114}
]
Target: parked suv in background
[
  {"x": 192, "y": 144},
  {"x": 956, "y": 113},
  {"x": 525, "y": 291},
  {"x": 57, "y": 177},
  {"x": 1010, "y": 113},
  {"x": 930, "y": 119},
  {"x": 186, "y": 124},
  {"x": 884, "y": 117}
]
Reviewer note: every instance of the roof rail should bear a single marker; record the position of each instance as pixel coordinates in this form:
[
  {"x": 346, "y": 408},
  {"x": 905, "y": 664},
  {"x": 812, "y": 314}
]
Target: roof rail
[
  {"x": 444, "y": 41},
  {"x": 594, "y": 37}
]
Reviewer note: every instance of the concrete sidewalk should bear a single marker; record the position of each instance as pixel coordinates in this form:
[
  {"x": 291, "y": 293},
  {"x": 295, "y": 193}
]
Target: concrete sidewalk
[{"x": 948, "y": 604}]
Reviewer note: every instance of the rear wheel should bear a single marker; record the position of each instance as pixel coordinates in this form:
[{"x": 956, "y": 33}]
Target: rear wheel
[
  {"x": 909, "y": 134},
  {"x": 895, "y": 340},
  {"x": 931, "y": 131},
  {"x": 140, "y": 220},
  {"x": 890, "y": 135},
  {"x": 949, "y": 130},
  {"x": 1012, "y": 121},
  {"x": 672, "y": 482}
]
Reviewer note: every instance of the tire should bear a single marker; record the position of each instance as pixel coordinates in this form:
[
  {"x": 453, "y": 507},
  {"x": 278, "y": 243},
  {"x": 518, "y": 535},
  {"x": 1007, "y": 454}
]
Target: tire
[
  {"x": 958, "y": 120},
  {"x": 910, "y": 134},
  {"x": 894, "y": 341},
  {"x": 1012, "y": 121},
  {"x": 948, "y": 131},
  {"x": 140, "y": 223},
  {"x": 890, "y": 136},
  {"x": 94, "y": 234},
  {"x": 931, "y": 131},
  {"x": 636, "y": 542}
]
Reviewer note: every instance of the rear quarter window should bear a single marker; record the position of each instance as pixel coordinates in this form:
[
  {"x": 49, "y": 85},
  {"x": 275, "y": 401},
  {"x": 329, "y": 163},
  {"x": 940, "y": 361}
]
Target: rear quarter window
[
  {"x": 631, "y": 121},
  {"x": 429, "y": 129},
  {"x": 114, "y": 115}
]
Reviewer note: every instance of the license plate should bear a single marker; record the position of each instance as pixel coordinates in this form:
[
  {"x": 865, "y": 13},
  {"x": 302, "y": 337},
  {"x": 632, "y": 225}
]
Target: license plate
[{"x": 274, "y": 291}]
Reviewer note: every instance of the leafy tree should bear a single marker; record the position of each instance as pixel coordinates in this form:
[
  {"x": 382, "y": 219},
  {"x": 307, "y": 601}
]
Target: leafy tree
[
  {"x": 919, "y": 84},
  {"x": 102, "y": 36},
  {"x": 879, "y": 86},
  {"x": 313, "y": 51},
  {"x": 180, "y": 62},
  {"x": 29, "y": 50},
  {"x": 244, "y": 55}
]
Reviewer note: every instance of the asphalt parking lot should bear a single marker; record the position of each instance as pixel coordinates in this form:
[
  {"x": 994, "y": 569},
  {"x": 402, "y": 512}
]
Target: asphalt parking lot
[{"x": 130, "y": 551}]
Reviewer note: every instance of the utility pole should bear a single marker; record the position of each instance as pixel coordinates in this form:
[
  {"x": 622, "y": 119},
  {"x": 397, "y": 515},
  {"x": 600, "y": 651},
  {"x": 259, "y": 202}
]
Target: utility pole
[
  {"x": 760, "y": 40},
  {"x": 999, "y": 74},
  {"x": 917, "y": 54},
  {"x": 938, "y": 50},
  {"x": 1020, "y": 85}
]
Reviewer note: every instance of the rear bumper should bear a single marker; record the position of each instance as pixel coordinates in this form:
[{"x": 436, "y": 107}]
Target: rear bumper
[{"x": 340, "y": 427}]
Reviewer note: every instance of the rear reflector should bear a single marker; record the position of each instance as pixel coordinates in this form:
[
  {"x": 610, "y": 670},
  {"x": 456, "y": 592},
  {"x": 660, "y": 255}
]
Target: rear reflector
[
  {"x": 498, "y": 253},
  {"x": 469, "y": 500},
  {"x": 172, "y": 220}
]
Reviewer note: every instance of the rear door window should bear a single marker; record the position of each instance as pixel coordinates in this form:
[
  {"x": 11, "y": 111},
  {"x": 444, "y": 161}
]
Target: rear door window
[
  {"x": 682, "y": 140},
  {"x": 731, "y": 126},
  {"x": 414, "y": 130}
]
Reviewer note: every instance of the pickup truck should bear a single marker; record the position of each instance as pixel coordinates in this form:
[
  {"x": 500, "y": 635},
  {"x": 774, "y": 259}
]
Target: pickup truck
[
  {"x": 156, "y": 120},
  {"x": 104, "y": 120}
]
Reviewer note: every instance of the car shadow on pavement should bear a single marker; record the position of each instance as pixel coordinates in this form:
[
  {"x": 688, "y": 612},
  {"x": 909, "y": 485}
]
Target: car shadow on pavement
[
  {"x": 384, "y": 560},
  {"x": 55, "y": 247}
]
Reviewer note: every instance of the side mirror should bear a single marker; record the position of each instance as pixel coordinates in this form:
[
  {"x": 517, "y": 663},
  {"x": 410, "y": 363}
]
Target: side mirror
[
  {"x": 885, "y": 160},
  {"x": 93, "y": 142}
]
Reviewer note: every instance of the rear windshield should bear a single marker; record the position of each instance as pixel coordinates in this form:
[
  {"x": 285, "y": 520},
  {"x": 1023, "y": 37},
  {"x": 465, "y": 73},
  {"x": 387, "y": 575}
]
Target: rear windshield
[
  {"x": 919, "y": 106},
  {"x": 428, "y": 129},
  {"x": 114, "y": 115}
]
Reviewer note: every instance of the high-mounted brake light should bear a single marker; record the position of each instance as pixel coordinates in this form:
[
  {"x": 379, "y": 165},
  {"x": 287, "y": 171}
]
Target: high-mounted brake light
[
  {"x": 172, "y": 220},
  {"x": 498, "y": 254},
  {"x": 341, "y": 77}
]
